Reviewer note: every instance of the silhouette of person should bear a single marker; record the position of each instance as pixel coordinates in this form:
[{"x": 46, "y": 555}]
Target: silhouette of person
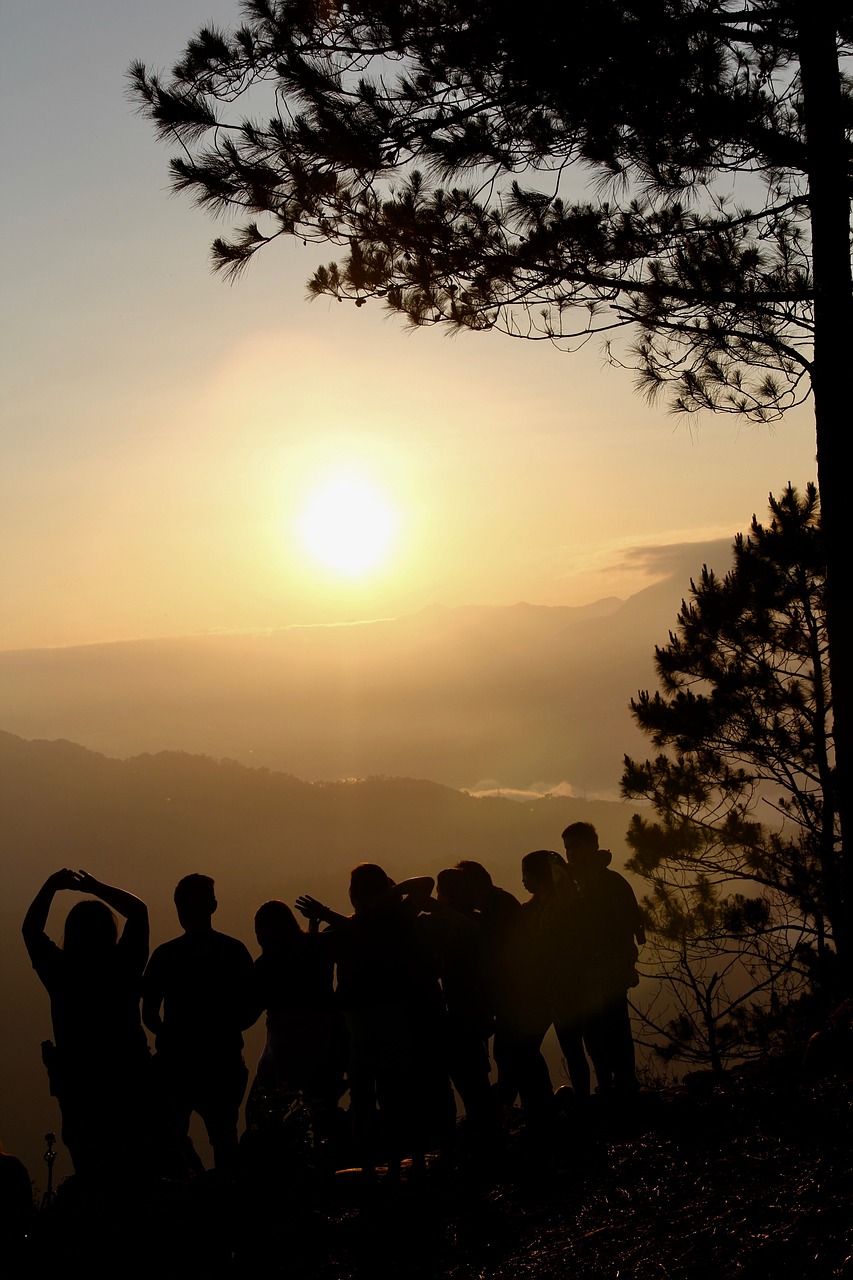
[
  {"x": 557, "y": 953},
  {"x": 99, "y": 1060},
  {"x": 469, "y": 1021},
  {"x": 388, "y": 990},
  {"x": 612, "y": 926},
  {"x": 305, "y": 1050},
  {"x": 569, "y": 977},
  {"x": 497, "y": 915},
  {"x": 526, "y": 998},
  {"x": 198, "y": 996}
]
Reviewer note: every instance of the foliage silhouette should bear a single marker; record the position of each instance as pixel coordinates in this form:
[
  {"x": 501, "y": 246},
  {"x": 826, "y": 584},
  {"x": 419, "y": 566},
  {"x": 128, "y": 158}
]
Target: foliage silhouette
[
  {"x": 678, "y": 170},
  {"x": 627, "y": 135},
  {"x": 743, "y": 853}
]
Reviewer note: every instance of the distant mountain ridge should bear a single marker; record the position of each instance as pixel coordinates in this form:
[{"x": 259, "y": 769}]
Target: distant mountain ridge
[
  {"x": 161, "y": 814},
  {"x": 511, "y": 697}
]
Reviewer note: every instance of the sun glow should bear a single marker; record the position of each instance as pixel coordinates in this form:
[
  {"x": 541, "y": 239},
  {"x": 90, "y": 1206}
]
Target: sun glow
[{"x": 348, "y": 525}]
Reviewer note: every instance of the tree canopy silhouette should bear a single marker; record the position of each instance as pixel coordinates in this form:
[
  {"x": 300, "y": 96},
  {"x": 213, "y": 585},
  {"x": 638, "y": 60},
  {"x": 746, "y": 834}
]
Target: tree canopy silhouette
[
  {"x": 743, "y": 848},
  {"x": 677, "y": 172}
]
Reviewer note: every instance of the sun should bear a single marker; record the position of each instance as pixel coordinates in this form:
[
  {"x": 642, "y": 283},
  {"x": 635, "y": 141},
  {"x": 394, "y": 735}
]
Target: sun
[{"x": 348, "y": 525}]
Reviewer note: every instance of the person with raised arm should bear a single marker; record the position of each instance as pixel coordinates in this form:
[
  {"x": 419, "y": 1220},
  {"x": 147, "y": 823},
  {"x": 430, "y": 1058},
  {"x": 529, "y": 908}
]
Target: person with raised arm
[
  {"x": 99, "y": 1061},
  {"x": 388, "y": 990},
  {"x": 304, "y": 1056}
]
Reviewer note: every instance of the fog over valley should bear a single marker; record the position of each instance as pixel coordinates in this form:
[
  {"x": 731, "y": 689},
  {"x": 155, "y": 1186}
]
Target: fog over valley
[{"x": 483, "y": 698}]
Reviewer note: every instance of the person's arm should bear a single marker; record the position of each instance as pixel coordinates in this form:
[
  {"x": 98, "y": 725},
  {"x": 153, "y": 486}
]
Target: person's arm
[
  {"x": 413, "y": 894},
  {"x": 120, "y": 900},
  {"x": 250, "y": 1001},
  {"x": 134, "y": 935},
  {"x": 456, "y": 921},
  {"x": 152, "y": 995},
  {"x": 639, "y": 919},
  {"x": 314, "y": 910},
  {"x": 417, "y": 889},
  {"x": 35, "y": 921}
]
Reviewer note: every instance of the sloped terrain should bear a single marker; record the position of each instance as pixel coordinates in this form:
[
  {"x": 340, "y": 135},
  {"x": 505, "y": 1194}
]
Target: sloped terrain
[{"x": 751, "y": 1180}]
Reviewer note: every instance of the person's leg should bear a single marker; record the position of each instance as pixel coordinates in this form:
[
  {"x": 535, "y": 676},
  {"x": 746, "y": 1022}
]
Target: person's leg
[
  {"x": 172, "y": 1084},
  {"x": 621, "y": 1046},
  {"x": 505, "y": 1053},
  {"x": 361, "y": 1077},
  {"x": 218, "y": 1103},
  {"x": 597, "y": 1042},
  {"x": 469, "y": 1071},
  {"x": 534, "y": 1080},
  {"x": 570, "y": 1037}
]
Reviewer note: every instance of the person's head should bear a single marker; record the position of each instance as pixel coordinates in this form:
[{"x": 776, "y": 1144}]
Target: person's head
[
  {"x": 579, "y": 840},
  {"x": 453, "y": 889},
  {"x": 195, "y": 902},
  {"x": 478, "y": 880},
  {"x": 90, "y": 931},
  {"x": 536, "y": 874},
  {"x": 275, "y": 924},
  {"x": 368, "y": 885},
  {"x": 583, "y": 855}
]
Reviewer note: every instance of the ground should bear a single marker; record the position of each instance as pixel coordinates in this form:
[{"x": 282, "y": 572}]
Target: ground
[{"x": 749, "y": 1178}]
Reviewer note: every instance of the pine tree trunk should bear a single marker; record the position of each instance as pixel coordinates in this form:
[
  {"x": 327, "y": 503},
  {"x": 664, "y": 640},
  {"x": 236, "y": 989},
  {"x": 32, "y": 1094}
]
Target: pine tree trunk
[{"x": 833, "y": 318}]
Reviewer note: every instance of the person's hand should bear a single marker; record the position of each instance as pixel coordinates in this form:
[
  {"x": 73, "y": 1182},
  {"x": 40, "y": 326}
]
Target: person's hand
[
  {"x": 310, "y": 907},
  {"x": 64, "y": 879},
  {"x": 85, "y": 882}
]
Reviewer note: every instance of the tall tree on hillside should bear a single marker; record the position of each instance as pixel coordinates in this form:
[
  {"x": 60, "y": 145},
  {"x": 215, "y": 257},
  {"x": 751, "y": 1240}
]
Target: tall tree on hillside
[
  {"x": 675, "y": 171},
  {"x": 742, "y": 847}
]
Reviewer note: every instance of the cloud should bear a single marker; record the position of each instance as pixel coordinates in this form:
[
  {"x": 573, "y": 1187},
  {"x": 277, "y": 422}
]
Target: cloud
[
  {"x": 490, "y": 787},
  {"x": 677, "y": 559}
]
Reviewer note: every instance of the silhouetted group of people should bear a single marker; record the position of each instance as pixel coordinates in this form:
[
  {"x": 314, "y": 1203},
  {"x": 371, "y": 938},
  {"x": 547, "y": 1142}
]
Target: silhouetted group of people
[{"x": 410, "y": 997}]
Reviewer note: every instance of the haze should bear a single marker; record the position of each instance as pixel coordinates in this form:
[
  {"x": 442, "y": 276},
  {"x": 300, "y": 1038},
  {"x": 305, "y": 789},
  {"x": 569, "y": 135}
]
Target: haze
[{"x": 162, "y": 434}]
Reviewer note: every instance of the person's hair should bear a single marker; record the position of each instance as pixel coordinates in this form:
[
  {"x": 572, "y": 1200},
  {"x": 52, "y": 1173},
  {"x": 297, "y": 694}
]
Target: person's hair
[
  {"x": 90, "y": 930},
  {"x": 454, "y": 887},
  {"x": 477, "y": 875},
  {"x": 539, "y": 863},
  {"x": 195, "y": 892},
  {"x": 274, "y": 921},
  {"x": 582, "y": 836},
  {"x": 367, "y": 881}
]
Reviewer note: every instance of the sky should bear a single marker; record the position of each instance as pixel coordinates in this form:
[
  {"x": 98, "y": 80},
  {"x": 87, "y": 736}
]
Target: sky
[{"x": 163, "y": 432}]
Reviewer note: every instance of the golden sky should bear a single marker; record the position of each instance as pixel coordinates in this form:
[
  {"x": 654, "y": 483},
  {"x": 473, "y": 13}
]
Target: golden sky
[{"x": 163, "y": 432}]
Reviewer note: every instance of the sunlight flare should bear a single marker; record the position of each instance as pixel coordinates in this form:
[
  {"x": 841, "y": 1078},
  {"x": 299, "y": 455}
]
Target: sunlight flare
[{"x": 348, "y": 525}]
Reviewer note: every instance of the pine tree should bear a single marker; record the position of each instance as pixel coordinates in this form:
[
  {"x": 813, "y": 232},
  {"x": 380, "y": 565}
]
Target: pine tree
[{"x": 742, "y": 849}]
